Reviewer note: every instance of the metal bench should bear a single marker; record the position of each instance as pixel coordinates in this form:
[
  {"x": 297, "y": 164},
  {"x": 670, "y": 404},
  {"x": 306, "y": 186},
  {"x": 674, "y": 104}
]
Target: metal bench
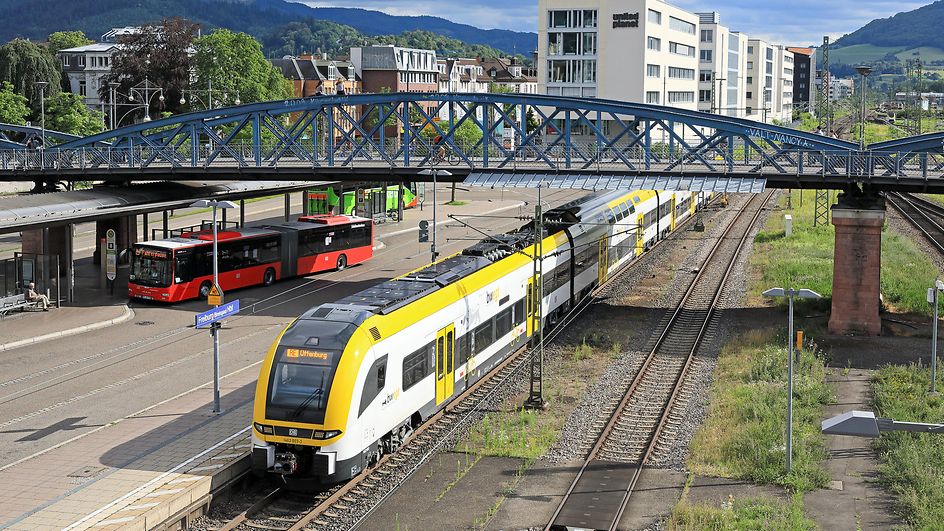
[{"x": 16, "y": 303}]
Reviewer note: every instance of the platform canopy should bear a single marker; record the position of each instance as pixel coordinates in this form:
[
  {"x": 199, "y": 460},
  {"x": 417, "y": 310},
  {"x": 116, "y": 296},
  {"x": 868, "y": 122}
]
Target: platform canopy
[
  {"x": 31, "y": 211},
  {"x": 582, "y": 181}
]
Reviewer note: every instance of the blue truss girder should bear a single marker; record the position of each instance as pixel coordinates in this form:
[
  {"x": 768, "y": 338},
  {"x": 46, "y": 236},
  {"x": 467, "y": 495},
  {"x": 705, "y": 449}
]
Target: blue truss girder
[{"x": 395, "y": 131}]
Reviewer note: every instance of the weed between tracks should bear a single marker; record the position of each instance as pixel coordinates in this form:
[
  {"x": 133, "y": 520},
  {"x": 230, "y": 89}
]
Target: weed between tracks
[
  {"x": 743, "y": 436},
  {"x": 805, "y": 259},
  {"x": 741, "y": 514},
  {"x": 912, "y": 463}
]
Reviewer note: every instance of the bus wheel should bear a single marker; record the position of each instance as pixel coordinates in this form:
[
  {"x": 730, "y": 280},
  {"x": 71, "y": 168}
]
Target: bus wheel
[
  {"x": 269, "y": 277},
  {"x": 205, "y": 288},
  {"x": 342, "y": 262}
]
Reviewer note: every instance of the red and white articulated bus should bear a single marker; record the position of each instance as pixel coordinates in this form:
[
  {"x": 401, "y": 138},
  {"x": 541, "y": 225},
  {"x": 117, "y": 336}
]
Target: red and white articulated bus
[{"x": 181, "y": 267}]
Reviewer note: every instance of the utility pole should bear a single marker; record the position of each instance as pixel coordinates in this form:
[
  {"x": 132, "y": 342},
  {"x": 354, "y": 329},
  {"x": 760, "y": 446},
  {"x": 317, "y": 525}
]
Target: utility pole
[{"x": 536, "y": 393}]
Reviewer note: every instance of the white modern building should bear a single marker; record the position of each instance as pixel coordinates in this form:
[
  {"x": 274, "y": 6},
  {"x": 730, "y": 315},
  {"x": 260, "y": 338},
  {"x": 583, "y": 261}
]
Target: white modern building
[
  {"x": 722, "y": 62},
  {"x": 631, "y": 50},
  {"x": 769, "y": 86}
]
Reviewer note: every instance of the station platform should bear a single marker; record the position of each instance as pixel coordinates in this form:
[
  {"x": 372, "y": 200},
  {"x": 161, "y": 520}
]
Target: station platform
[{"x": 145, "y": 471}]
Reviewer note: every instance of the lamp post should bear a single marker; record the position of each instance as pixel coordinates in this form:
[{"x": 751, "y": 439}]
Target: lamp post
[
  {"x": 790, "y": 293},
  {"x": 933, "y": 298},
  {"x": 215, "y": 328},
  {"x": 435, "y": 173},
  {"x": 864, "y": 72},
  {"x": 114, "y": 104},
  {"x": 42, "y": 111}
]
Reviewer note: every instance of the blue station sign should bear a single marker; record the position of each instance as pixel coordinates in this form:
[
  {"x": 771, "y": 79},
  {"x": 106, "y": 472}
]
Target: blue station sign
[{"x": 205, "y": 319}]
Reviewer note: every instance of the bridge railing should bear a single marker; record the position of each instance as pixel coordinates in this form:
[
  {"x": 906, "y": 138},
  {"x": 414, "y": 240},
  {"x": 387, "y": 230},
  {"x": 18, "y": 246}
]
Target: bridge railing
[{"x": 586, "y": 154}]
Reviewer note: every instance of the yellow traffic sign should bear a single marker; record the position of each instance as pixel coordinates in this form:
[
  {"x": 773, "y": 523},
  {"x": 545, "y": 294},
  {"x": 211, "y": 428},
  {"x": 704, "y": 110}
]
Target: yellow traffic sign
[{"x": 215, "y": 297}]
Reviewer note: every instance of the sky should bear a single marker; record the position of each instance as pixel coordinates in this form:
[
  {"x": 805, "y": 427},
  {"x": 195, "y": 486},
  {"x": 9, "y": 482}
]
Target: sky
[{"x": 798, "y": 22}]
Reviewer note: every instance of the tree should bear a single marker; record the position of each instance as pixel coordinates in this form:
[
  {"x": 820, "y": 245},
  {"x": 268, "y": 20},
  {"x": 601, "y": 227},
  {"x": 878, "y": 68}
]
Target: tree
[
  {"x": 66, "y": 112},
  {"x": 237, "y": 68},
  {"x": 13, "y": 109},
  {"x": 62, "y": 40},
  {"x": 158, "y": 56},
  {"x": 23, "y": 63}
]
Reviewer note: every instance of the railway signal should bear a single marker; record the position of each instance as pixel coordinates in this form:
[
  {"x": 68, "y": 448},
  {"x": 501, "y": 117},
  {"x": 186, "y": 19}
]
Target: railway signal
[{"x": 424, "y": 231}]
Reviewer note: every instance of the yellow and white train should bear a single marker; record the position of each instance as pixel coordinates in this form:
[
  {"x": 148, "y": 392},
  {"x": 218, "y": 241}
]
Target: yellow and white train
[{"x": 350, "y": 380}]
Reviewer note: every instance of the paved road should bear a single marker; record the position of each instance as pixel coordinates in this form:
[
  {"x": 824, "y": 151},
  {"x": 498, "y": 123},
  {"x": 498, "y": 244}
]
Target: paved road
[{"x": 59, "y": 389}]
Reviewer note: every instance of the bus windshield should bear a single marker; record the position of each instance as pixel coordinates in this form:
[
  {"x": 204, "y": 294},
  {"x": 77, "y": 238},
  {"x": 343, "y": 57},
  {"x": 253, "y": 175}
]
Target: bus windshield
[{"x": 151, "y": 266}]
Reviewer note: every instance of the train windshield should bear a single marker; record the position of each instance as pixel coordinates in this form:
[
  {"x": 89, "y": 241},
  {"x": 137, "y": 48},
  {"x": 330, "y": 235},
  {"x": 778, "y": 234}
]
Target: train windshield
[
  {"x": 151, "y": 266},
  {"x": 301, "y": 377}
]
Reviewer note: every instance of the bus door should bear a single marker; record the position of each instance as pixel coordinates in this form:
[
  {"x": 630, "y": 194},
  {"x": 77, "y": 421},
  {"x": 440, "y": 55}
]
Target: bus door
[
  {"x": 604, "y": 252},
  {"x": 445, "y": 360},
  {"x": 290, "y": 252}
]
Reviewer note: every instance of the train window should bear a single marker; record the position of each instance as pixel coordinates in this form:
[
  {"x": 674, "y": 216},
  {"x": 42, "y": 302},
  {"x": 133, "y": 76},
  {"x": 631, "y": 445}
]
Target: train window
[
  {"x": 610, "y": 218},
  {"x": 440, "y": 352},
  {"x": 483, "y": 336},
  {"x": 416, "y": 366},
  {"x": 450, "y": 345},
  {"x": 374, "y": 384},
  {"x": 519, "y": 312},
  {"x": 462, "y": 349},
  {"x": 503, "y": 323}
]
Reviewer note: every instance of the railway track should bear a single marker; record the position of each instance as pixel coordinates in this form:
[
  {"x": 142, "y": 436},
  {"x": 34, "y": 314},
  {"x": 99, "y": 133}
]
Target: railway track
[
  {"x": 346, "y": 506},
  {"x": 599, "y": 495},
  {"x": 924, "y": 215}
]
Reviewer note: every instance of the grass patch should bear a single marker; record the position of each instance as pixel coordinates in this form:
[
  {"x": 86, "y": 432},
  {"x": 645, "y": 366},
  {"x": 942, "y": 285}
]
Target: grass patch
[
  {"x": 912, "y": 463},
  {"x": 805, "y": 259},
  {"x": 743, "y": 436},
  {"x": 457, "y": 203},
  {"x": 741, "y": 514},
  {"x": 521, "y": 433}
]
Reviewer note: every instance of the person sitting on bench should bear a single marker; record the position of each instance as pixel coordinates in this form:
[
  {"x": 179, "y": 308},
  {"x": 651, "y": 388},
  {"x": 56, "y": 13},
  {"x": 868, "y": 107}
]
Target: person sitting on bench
[{"x": 33, "y": 296}]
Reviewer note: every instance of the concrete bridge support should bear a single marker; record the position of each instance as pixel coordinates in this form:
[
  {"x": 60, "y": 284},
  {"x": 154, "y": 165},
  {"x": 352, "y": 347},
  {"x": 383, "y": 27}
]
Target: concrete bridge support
[
  {"x": 857, "y": 264},
  {"x": 126, "y": 234}
]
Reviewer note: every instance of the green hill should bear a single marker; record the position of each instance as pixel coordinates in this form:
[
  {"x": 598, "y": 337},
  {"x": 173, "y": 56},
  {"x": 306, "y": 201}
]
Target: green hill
[
  {"x": 868, "y": 53},
  {"x": 907, "y": 30}
]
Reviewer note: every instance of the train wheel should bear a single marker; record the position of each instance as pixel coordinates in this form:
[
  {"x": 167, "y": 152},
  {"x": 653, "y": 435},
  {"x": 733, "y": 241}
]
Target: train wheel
[
  {"x": 342, "y": 262},
  {"x": 205, "y": 288},
  {"x": 269, "y": 277}
]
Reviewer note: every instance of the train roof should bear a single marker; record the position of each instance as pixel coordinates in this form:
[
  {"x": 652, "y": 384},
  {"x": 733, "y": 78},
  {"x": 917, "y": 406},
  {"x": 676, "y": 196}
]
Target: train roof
[{"x": 391, "y": 295}]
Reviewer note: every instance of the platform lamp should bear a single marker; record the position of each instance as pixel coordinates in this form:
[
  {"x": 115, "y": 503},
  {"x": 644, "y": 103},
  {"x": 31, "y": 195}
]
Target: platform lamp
[
  {"x": 790, "y": 294},
  {"x": 215, "y": 327},
  {"x": 435, "y": 173},
  {"x": 864, "y": 72}
]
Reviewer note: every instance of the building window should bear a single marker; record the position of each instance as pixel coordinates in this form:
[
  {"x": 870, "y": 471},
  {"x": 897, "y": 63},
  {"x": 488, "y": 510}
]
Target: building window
[
  {"x": 653, "y": 71},
  {"x": 802, "y": 75},
  {"x": 82, "y": 90},
  {"x": 680, "y": 25},
  {"x": 750, "y": 66},
  {"x": 589, "y": 18},
  {"x": 655, "y": 17},
  {"x": 750, "y": 80},
  {"x": 64, "y": 60},
  {"x": 704, "y": 95},
  {"x": 749, "y": 96},
  {"x": 682, "y": 49},
  {"x": 654, "y": 44},
  {"x": 652, "y": 96},
  {"x": 589, "y": 46},
  {"x": 706, "y": 56},
  {"x": 770, "y": 54},
  {"x": 750, "y": 49},
  {"x": 707, "y": 35},
  {"x": 557, "y": 19},
  {"x": 681, "y": 97},
  {"x": 681, "y": 73},
  {"x": 704, "y": 75}
]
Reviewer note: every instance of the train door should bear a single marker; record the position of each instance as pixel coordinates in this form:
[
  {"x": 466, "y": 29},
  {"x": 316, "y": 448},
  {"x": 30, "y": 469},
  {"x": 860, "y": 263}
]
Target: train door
[
  {"x": 640, "y": 234},
  {"x": 530, "y": 306},
  {"x": 674, "y": 198},
  {"x": 445, "y": 360},
  {"x": 602, "y": 255}
]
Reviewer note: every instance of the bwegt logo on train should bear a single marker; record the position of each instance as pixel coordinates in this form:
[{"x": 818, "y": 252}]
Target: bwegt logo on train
[{"x": 300, "y": 353}]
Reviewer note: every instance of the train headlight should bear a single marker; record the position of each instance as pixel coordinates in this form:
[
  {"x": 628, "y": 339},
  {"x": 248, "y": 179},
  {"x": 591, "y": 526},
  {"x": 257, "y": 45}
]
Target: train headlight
[
  {"x": 262, "y": 428},
  {"x": 318, "y": 434}
]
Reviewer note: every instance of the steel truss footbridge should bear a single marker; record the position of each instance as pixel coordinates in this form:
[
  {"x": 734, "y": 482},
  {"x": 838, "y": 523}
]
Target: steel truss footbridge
[{"x": 510, "y": 139}]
